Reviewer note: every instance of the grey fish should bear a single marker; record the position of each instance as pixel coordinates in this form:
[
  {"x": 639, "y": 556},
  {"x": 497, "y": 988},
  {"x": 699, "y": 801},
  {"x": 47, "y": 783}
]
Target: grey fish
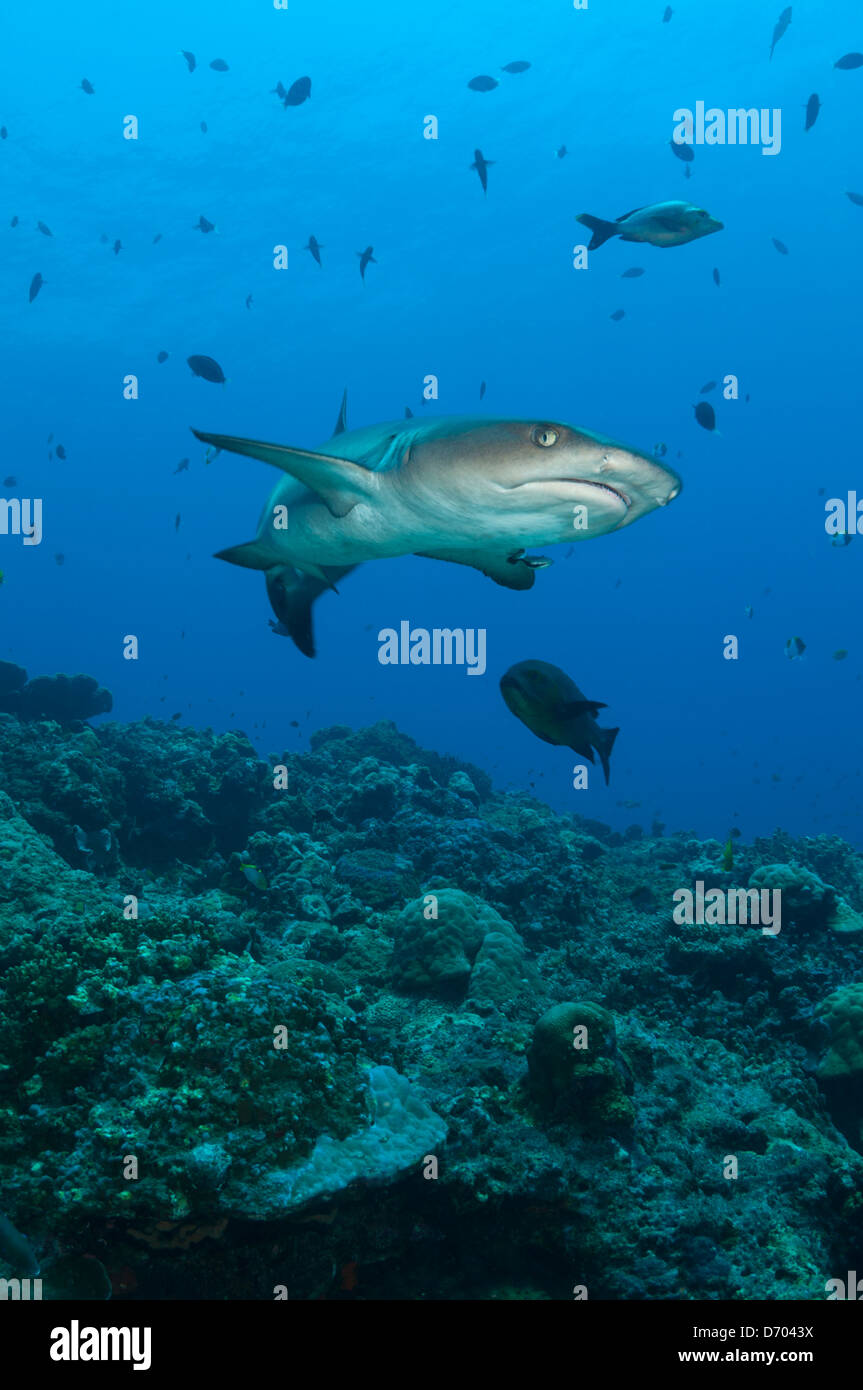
[
  {"x": 59, "y": 558},
  {"x": 14, "y": 222},
  {"x": 551, "y": 705},
  {"x": 684, "y": 152},
  {"x": 4, "y": 134},
  {"x": 780, "y": 246},
  {"x": 60, "y": 452},
  {"x": 177, "y": 522},
  {"x": 472, "y": 491},
  {"x": 11, "y": 481},
  {"x": 856, "y": 198},
  {"x": 518, "y": 66},
  {"x": 716, "y": 279},
  {"x": 705, "y": 415},
  {"x": 561, "y": 152},
  {"x": 206, "y": 367},
  {"x": 46, "y": 231},
  {"x": 117, "y": 247},
  {"x": 366, "y": 258},
  {"x": 315, "y": 247},
  {"x": 813, "y": 106},
  {"x": 191, "y": 61},
  {"x": 35, "y": 286},
  {"x": 849, "y": 61},
  {"x": 782, "y": 24},
  {"x": 162, "y": 357},
  {"x": 182, "y": 466},
  {"x": 203, "y": 127},
  {"x": 618, "y": 315},
  {"x": 157, "y": 237},
  {"x": 794, "y": 648},
  {"x": 483, "y": 83},
  {"x": 202, "y": 225},
  {"x": 298, "y": 92},
  {"x": 248, "y": 301},
  {"x": 219, "y": 65},
  {"x": 87, "y": 87},
  {"x": 481, "y": 389},
  {"x": 633, "y": 272},
  {"x": 668, "y": 13},
  {"x": 482, "y": 166},
  {"x": 658, "y": 224}
]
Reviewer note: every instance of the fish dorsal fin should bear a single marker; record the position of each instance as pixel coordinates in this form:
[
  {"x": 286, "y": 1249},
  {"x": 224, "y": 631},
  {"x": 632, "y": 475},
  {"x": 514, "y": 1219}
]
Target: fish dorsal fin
[
  {"x": 512, "y": 575},
  {"x": 575, "y": 708},
  {"x": 339, "y": 483},
  {"x": 623, "y": 216}
]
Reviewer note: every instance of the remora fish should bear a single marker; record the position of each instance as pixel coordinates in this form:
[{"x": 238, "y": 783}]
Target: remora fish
[
  {"x": 551, "y": 705},
  {"x": 660, "y": 224},
  {"x": 470, "y": 490}
]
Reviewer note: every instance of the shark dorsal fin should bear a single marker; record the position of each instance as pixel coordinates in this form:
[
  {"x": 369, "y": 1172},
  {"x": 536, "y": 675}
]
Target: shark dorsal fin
[{"x": 339, "y": 483}]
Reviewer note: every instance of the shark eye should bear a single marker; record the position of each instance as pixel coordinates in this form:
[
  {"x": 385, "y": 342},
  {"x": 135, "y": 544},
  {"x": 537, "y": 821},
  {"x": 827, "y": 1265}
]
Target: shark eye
[{"x": 544, "y": 435}]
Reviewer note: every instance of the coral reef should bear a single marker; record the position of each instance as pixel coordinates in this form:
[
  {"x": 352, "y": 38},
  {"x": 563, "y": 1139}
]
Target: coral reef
[{"x": 254, "y": 1026}]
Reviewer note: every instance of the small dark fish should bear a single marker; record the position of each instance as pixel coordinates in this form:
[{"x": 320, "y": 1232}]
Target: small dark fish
[
  {"x": 203, "y": 127},
  {"x": 3, "y": 132},
  {"x": 519, "y": 66},
  {"x": 162, "y": 357},
  {"x": 248, "y": 301},
  {"x": 117, "y": 248},
  {"x": 298, "y": 92},
  {"x": 705, "y": 415},
  {"x": 191, "y": 61},
  {"x": 87, "y": 87},
  {"x": 10, "y": 481},
  {"x": 561, "y": 153},
  {"x": 295, "y": 723},
  {"x": 315, "y": 247},
  {"x": 219, "y": 65},
  {"x": 707, "y": 387},
  {"x": 157, "y": 237},
  {"x": 660, "y": 450},
  {"x": 178, "y": 715},
  {"x": 481, "y": 389},
  {"x": 177, "y": 522},
  {"x": 60, "y": 558},
  {"x": 46, "y": 231},
  {"x": 813, "y": 106},
  {"x": 633, "y": 272},
  {"x": 35, "y": 286},
  {"x": 618, "y": 315},
  {"x": 782, "y": 24},
  {"x": 482, "y": 166},
  {"x": 207, "y": 368},
  {"x": 202, "y": 225},
  {"x": 856, "y": 198},
  {"x": 668, "y": 13},
  {"x": 840, "y": 655},
  {"x": 716, "y": 279},
  {"x": 794, "y": 648},
  {"x": 280, "y": 91},
  {"x": 60, "y": 452},
  {"x": 482, "y": 84},
  {"x": 849, "y": 61},
  {"x": 684, "y": 152},
  {"x": 14, "y": 222},
  {"x": 366, "y": 258},
  {"x": 182, "y": 466},
  {"x": 780, "y": 246}
]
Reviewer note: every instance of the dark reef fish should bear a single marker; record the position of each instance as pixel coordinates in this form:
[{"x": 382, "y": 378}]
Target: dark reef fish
[
  {"x": 780, "y": 246},
  {"x": 87, "y": 87},
  {"x": 298, "y": 92},
  {"x": 813, "y": 106},
  {"x": 35, "y": 286},
  {"x": 716, "y": 277},
  {"x": 519, "y": 66},
  {"x": 162, "y": 357},
  {"x": 551, "y": 705},
  {"x": 658, "y": 224},
  {"x": 366, "y": 258},
  {"x": 856, "y": 199},
  {"x": 470, "y": 491},
  {"x": 706, "y": 416},
  {"x": 683, "y": 151},
  {"x": 482, "y": 165},
  {"x": 191, "y": 61},
  {"x": 219, "y": 65},
  {"x": 483, "y": 83},
  {"x": 633, "y": 272},
  {"x": 315, "y": 248},
  {"x": 206, "y": 367},
  {"x": 849, "y": 61},
  {"x": 203, "y": 225},
  {"x": 46, "y": 231},
  {"x": 668, "y": 13},
  {"x": 782, "y": 24}
]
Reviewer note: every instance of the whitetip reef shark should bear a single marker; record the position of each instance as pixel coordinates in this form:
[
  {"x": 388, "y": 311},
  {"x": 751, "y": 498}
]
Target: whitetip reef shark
[{"x": 467, "y": 489}]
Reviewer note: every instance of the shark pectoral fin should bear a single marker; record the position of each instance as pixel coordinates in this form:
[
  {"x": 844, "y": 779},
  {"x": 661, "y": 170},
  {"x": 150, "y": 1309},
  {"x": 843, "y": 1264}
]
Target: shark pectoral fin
[
  {"x": 251, "y": 556},
  {"x": 498, "y": 567},
  {"x": 339, "y": 483}
]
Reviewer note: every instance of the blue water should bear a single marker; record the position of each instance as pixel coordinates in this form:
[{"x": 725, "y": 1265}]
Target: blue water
[{"x": 470, "y": 289}]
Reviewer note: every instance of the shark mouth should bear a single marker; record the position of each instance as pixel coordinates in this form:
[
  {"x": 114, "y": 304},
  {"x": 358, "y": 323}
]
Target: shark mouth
[{"x": 605, "y": 487}]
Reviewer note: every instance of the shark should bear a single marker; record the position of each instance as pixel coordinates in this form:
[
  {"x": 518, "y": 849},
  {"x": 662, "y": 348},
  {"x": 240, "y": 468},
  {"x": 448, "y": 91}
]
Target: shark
[{"x": 468, "y": 490}]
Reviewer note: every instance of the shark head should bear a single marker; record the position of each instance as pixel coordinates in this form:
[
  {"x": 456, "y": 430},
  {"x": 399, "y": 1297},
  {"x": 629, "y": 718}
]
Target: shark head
[{"x": 551, "y": 481}]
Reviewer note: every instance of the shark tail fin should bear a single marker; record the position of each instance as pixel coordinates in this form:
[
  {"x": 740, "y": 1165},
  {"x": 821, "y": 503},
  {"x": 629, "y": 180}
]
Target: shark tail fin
[
  {"x": 602, "y": 230},
  {"x": 604, "y": 745}
]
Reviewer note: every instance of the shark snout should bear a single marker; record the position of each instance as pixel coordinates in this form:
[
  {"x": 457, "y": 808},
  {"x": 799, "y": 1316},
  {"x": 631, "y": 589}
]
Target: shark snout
[{"x": 647, "y": 483}]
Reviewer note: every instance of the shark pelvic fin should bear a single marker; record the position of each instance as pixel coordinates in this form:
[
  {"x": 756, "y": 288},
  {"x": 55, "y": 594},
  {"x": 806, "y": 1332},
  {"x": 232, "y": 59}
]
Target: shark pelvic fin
[{"x": 339, "y": 483}]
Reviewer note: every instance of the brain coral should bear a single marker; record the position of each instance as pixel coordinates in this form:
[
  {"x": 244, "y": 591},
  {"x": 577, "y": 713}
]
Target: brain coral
[
  {"x": 574, "y": 1069},
  {"x": 438, "y": 938}
]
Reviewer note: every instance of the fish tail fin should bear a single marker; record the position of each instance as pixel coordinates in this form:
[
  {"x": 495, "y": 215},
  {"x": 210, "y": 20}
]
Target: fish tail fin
[
  {"x": 604, "y": 745},
  {"x": 602, "y": 230}
]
